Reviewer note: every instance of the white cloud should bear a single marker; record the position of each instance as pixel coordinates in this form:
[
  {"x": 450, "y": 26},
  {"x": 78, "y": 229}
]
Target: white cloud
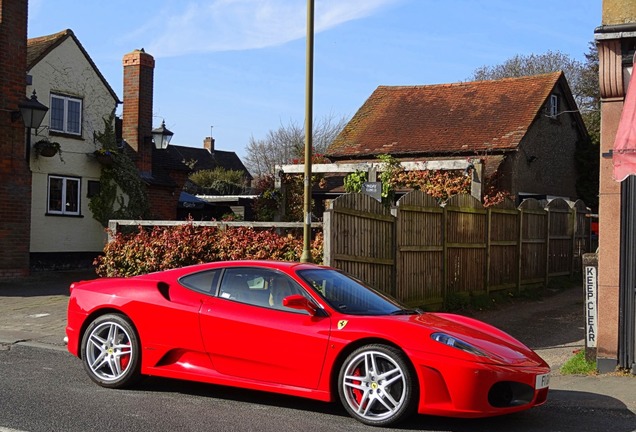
[{"x": 230, "y": 25}]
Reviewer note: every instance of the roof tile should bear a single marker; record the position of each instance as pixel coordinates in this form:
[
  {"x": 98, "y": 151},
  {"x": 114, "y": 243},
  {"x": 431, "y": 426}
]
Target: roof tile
[{"x": 446, "y": 118}]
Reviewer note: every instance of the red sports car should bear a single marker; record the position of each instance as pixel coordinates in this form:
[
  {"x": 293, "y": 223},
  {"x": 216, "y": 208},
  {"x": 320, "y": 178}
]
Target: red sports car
[{"x": 302, "y": 330}]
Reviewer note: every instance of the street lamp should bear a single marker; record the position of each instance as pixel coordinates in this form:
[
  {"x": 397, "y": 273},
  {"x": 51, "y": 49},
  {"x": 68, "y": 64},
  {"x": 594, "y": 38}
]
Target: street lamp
[
  {"x": 161, "y": 136},
  {"x": 32, "y": 113}
]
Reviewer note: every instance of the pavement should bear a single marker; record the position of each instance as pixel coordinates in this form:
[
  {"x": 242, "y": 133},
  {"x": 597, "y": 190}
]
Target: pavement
[{"x": 33, "y": 313}]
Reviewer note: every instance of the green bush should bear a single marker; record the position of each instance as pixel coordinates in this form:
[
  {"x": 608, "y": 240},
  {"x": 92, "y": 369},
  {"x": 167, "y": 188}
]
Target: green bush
[{"x": 164, "y": 248}]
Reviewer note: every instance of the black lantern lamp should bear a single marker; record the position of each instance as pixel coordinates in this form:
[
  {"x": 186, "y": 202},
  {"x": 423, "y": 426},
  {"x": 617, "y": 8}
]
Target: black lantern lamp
[
  {"x": 161, "y": 136},
  {"x": 32, "y": 113}
]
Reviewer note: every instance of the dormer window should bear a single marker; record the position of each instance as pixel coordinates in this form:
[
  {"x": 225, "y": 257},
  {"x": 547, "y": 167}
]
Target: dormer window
[
  {"x": 66, "y": 114},
  {"x": 553, "y": 106}
]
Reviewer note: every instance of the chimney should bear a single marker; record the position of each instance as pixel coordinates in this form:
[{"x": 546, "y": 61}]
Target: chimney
[
  {"x": 208, "y": 144},
  {"x": 137, "y": 112}
]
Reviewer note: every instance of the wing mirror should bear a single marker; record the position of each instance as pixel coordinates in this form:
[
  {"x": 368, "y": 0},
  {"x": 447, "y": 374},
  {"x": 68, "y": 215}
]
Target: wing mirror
[{"x": 298, "y": 301}]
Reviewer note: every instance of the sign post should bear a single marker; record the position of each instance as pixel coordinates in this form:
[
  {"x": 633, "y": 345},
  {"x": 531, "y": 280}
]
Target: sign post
[{"x": 590, "y": 285}]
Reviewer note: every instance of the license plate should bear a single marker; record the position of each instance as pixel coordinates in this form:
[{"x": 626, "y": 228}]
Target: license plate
[{"x": 542, "y": 381}]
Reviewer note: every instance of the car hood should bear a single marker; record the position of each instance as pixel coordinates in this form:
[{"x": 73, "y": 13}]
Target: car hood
[{"x": 500, "y": 347}]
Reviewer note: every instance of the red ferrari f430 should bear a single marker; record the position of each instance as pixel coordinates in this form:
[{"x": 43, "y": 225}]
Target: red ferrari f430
[{"x": 301, "y": 330}]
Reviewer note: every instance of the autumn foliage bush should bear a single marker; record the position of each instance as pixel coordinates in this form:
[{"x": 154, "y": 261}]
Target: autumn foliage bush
[{"x": 163, "y": 248}]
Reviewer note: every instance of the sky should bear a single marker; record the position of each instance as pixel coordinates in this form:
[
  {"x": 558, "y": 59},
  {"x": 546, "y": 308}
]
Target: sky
[{"x": 236, "y": 69}]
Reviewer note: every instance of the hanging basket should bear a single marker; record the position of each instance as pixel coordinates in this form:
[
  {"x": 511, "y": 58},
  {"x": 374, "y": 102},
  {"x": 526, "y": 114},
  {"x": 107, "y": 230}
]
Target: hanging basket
[
  {"x": 46, "y": 148},
  {"x": 48, "y": 151},
  {"x": 105, "y": 159}
]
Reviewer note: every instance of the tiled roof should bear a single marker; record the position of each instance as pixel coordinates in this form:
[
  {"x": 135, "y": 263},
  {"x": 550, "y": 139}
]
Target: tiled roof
[
  {"x": 445, "y": 119},
  {"x": 190, "y": 159},
  {"x": 39, "y": 47}
]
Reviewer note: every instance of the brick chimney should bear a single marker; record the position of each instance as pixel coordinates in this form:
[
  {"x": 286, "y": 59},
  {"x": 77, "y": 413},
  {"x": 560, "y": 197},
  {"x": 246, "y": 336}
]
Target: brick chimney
[
  {"x": 137, "y": 112},
  {"x": 15, "y": 174},
  {"x": 208, "y": 144}
]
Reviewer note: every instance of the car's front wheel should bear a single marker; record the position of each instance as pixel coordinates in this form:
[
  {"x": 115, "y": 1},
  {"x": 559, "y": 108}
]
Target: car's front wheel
[
  {"x": 376, "y": 385},
  {"x": 110, "y": 351}
]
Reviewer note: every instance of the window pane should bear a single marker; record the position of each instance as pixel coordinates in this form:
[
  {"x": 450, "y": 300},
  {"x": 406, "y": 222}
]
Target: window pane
[
  {"x": 57, "y": 114},
  {"x": 55, "y": 194},
  {"x": 72, "y": 196},
  {"x": 73, "y": 124}
]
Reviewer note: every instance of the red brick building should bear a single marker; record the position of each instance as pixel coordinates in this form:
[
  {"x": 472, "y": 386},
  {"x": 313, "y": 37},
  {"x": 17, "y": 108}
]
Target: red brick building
[{"x": 15, "y": 176}]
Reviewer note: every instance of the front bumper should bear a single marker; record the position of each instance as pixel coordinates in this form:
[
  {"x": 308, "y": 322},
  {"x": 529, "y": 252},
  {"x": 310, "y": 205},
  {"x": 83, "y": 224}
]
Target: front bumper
[{"x": 460, "y": 388}]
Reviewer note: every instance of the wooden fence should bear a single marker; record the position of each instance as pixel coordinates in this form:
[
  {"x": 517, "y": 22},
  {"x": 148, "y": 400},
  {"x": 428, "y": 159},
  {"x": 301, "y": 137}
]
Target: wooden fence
[{"x": 422, "y": 252}]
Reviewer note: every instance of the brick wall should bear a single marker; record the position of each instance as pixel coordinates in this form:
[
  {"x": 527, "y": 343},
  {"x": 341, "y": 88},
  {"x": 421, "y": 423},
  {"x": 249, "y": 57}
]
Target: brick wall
[
  {"x": 163, "y": 202},
  {"x": 15, "y": 175}
]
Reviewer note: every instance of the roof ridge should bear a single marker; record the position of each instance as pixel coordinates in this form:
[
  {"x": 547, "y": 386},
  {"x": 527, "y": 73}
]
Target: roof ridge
[
  {"x": 552, "y": 75},
  {"x": 39, "y": 47}
]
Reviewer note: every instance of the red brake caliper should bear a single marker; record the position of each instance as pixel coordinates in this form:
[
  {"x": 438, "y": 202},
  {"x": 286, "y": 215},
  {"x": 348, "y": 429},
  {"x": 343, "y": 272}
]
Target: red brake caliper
[
  {"x": 125, "y": 360},
  {"x": 357, "y": 393}
]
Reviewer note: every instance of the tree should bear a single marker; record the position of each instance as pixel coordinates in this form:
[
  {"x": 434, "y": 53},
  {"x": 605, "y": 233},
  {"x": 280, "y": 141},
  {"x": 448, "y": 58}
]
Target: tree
[
  {"x": 583, "y": 81},
  {"x": 287, "y": 144},
  {"x": 220, "y": 181}
]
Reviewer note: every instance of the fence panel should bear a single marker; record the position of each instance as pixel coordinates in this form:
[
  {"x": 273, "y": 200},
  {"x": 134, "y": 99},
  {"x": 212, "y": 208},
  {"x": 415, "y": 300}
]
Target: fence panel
[
  {"x": 533, "y": 242},
  {"x": 420, "y": 249},
  {"x": 465, "y": 244},
  {"x": 560, "y": 238},
  {"x": 503, "y": 246},
  {"x": 361, "y": 236}
]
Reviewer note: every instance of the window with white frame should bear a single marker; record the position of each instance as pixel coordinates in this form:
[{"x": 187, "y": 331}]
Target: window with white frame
[
  {"x": 63, "y": 196},
  {"x": 66, "y": 114},
  {"x": 553, "y": 106}
]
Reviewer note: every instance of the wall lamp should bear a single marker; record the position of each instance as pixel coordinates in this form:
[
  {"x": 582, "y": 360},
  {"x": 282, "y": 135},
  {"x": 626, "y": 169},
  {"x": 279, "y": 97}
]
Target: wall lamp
[
  {"x": 32, "y": 113},
  {"x": 161, "y": 136}
]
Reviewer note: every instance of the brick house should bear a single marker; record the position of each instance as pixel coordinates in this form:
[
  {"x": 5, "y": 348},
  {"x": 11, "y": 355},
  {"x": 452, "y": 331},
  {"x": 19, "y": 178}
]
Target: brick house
[
  {"x": 524, "y": 131},
  {"x": 165, "y": 171},
  {"x": 196, "y": 202}
]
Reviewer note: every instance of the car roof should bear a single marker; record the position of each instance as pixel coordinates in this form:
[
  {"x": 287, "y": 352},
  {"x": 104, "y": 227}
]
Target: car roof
[{"x": 285, "y": 266}]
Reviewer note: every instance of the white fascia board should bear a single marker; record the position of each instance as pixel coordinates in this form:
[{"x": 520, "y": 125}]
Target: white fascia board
[{"x": 446, "y": 164}]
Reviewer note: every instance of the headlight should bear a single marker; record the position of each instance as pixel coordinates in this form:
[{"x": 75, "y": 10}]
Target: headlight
[{"x": 457, "y": 343}]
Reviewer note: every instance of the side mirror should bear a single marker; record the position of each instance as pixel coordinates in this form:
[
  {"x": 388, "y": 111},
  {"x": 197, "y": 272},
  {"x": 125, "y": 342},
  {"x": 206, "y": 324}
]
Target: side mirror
[{"x": 298, "y": 301}]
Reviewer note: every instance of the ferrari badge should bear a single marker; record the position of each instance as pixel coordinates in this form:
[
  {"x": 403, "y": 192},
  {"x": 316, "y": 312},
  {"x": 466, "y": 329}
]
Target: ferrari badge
[{"x": 342, "y": 324}]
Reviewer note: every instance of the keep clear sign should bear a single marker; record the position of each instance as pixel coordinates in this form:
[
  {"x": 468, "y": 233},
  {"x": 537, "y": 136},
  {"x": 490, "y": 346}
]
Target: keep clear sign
[{"x": 591, "y": 315}]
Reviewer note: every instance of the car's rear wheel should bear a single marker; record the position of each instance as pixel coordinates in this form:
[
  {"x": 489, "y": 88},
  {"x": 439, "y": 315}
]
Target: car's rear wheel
[
  {"x": 376, "y": 385},
  {"x": 110, "y": 351}
]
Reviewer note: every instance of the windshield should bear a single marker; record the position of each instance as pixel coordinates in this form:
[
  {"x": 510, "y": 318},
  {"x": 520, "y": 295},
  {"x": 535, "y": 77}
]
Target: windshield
[{"x": 348, "y": 295}]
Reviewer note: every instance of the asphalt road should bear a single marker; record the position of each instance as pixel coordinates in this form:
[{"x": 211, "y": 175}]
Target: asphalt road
[{"x": 47, "y": 390}]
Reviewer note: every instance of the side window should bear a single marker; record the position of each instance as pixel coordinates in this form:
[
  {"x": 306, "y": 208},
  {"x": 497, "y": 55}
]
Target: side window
[
  {"x": 553, "y": 106},
  {"x": 259, "y": 287},
  {"x": 205, "y": 281},
  {"x": 63, "y": 196},
  {"x": 281, "y": 286},
  {"x": 66, "y": 114}
]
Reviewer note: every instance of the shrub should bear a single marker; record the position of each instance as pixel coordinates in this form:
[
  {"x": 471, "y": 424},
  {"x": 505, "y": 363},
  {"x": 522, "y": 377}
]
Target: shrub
[{"x": 162, "y": 248}]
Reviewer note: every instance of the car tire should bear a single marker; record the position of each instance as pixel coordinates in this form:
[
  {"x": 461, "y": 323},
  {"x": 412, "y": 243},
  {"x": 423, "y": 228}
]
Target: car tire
[
  {"x": 110, "y": 351},
  {"x": 377, "y": 385}
]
